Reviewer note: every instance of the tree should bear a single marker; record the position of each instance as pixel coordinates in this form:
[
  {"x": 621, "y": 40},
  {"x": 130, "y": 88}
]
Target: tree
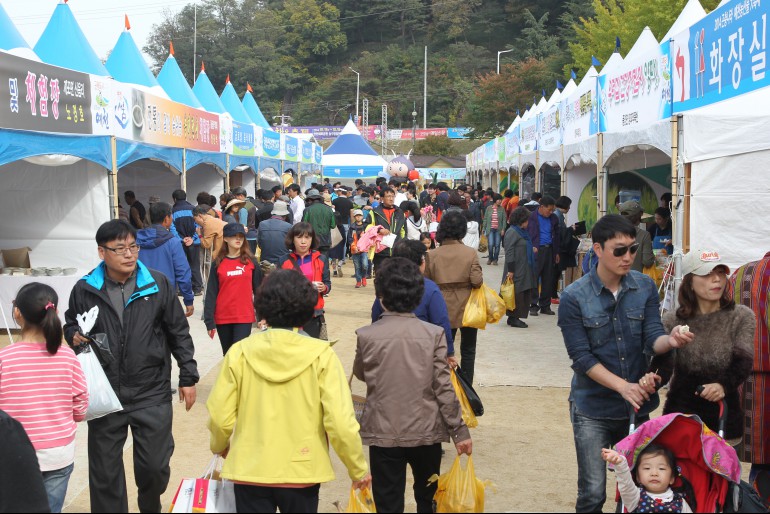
[
  {"x": 537, "y": 41},
  {"x": 498, "y": 97},
  {"x": 450, "y": 18},
  {"x": 435, "y": 145}
]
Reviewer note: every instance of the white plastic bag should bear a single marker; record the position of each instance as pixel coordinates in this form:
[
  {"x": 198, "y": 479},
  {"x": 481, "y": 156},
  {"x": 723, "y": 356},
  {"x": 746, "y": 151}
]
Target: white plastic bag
[{"x": 102, "y": 400}]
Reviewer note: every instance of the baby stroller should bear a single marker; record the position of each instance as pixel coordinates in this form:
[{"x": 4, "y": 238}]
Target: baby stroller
[{"x": 704, "y": 458}]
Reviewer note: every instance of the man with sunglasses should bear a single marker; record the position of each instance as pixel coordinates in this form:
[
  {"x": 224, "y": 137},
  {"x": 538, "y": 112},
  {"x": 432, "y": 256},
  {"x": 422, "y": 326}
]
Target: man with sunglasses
[
  {"x": 610, "y": 321},
  {"x": 140, "y": 314}
]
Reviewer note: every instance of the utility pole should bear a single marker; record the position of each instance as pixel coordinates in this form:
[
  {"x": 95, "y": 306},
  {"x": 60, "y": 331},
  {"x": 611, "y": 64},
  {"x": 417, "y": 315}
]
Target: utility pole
[
  {"x": 284, "y": 118},
  {"x": 384, "y": 129},
  {"x": 358, "y": 88},
  {"x": 498, "y": 58},
  {"x": 414, "y": 124},
  {"x": 195, "y": 43}
]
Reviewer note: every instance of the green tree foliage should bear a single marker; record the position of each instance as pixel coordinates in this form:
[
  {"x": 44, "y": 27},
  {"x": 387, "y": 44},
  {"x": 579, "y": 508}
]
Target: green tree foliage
[
  {"x": 435, "y": 145},
  {"x": 536, "y": 41}
]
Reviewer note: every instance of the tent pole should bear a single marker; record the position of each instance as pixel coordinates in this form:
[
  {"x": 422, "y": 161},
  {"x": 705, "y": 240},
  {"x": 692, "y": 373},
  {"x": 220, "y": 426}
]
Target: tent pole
[
  {"x": 538, "y": 179},
  {"x": 563, "y": 173},
  {"x": 678, "y": 194},
  {"x": 183, "y": 177},
  {"x": 114, "y": 212},
  {"x": 227, "y": 174},
  {"x": 601, "y": 206},
  {"x": 259, "y": 167}
]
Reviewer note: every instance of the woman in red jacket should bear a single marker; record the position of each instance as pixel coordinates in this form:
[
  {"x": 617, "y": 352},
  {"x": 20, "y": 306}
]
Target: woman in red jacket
[
  {"x": 235, "y": 276},
  {"x": 303, "y": 257}
]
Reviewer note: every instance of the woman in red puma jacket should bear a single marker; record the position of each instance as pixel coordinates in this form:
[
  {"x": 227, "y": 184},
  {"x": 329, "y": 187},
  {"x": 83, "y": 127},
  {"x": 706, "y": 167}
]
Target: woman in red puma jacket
[{"x": 303, "y": 257}]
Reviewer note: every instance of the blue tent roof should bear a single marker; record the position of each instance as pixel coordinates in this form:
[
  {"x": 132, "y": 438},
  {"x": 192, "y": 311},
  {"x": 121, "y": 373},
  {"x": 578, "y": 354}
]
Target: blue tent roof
[
  {"x": 233, "y": 104},
  {"x": 175, "y": 85},
  {"x": 10, "y": 37},
  {"x": 207, "y": 95},
  {"x": 254, "y": 112},
  {"x": 64, "y": 44},
  {"x": 350, "y": 141},
  {"x": 126, "y": 63}
]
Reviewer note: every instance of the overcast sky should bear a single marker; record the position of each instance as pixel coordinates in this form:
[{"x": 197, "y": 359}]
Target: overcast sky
[{"x": 100, "y": 20}]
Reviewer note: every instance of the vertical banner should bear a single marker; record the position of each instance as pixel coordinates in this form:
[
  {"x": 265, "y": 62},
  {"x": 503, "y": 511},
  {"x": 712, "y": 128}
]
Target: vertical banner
[
  {"x": 258, "y": 150},
  {"x": 307, "y": 152},
  {"x": 636, "y": 94},
  {"x": 512, "y": 141},
  {"x": 317, "y": 154},
  {"x": 581, "y": 110},
  {"x": 243, "y": 139},
  {"x": 501, "y": 149},
  {"x": 721, "y": 56},
  {"x": 291, "y": 148},
  {"x": 529, "y": 133},
  {"x": 551, "y": 129},
  {"x": 271, "y": 143}
]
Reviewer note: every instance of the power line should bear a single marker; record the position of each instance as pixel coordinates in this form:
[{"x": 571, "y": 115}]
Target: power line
[{"x": 107, "y": 10}]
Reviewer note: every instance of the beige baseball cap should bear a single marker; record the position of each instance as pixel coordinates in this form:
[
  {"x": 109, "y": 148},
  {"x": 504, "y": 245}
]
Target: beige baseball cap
[{"x": 702, "y": 262}]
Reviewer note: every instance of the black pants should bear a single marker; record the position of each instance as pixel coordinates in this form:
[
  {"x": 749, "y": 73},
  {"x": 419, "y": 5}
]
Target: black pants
[
  {"x": 313, "y": 327},
  {"x": 252, "y": 246},
  {"x": 545, "y": 272},
  {"x": 254, "y": 498},
  {"x": 468, "y": 338},
  {"x": 153, "y": 447},
  {"x": 389, "y": 476},
  {"x": 231, "y": 333},
  {"x": 379, "y": 258},
  {"x": 522, "y": 305},
  {"x": 193, "y": 253}
]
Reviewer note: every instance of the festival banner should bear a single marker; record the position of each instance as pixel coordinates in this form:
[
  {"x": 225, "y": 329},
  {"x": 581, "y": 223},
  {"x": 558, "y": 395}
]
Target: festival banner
[
  {"x": 271, "y": 143},
  {"x": 243, "y": 139},
  {"x": 111, "y": 109},
  {"x": 580, "y": 111},
  {"x": 319, "y": 132},
  {"x": 44, "y": 98},
  {"x": 722, "y": 56},
  {"x": 291, "y": 151},
  {"x": 500, "y": 149},
  {"x": 443, "y": 173},
  {"x": 226, "y": 134},
  {"x": 636, "y": 94},
  {"x": 512, "y": 140},
  {"x": 529, "y": 132},
  {"x": 258, "y": 141},
  {"x": 457, "y": 132},
  {"x": 318, "y": 154},
  {"x": 551, "y": 129},
  {"x": 307, "y": 152},
  {"x": 490, "y": 152}
]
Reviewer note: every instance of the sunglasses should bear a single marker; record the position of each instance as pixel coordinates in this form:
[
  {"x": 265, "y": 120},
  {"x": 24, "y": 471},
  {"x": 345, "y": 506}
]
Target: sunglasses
[{"x": 620, "y": 251}]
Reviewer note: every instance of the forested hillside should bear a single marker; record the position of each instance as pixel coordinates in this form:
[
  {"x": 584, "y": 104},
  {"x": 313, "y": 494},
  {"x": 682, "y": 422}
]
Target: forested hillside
[{"x": 296, "y": 54}]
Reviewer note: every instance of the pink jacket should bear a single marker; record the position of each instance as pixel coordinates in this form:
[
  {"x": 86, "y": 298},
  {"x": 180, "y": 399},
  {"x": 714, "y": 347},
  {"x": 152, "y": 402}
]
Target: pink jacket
[{"x": 369, "y": 238}]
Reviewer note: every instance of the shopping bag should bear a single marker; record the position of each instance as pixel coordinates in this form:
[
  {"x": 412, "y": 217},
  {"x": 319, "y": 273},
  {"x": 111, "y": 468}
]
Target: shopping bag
[
  {"x": 475, "y": 315},
  {"x": 495, "y": 305},
  {"x": 361, "y": 501},
  {"x": 102, "y": 400},
  {"x": 473, "y": 398},
  {"x": 205, "y": 494},
  {"x": 468, "y": 416},
  {"x": 654, "y": 273},
  {"x": 182, "y": 501},
  {"x": 508, "y": 294},
  {"x": 459, "y": 490},
  {"x": 483, "y": 243}
]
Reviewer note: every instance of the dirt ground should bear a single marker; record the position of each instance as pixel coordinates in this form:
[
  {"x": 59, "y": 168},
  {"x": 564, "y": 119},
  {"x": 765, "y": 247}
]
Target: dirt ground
[{"x": 523, "y": 443}]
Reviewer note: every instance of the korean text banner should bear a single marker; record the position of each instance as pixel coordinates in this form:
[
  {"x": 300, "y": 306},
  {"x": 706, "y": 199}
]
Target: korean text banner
[
  {"x": 271, "y": 143},
  {"x": 580, "y": 111},
  {"x": 307, "y": 152},
  {"x": 44, "y": 98},
  {"x": 529, "y": 132},
  {"x": 318, "y": 154},
  {"x": 291, "y": 149},
  {"x": 490, "y": 151},
  {"x": 457, "y": 132},
  {"x": 722, "y": 56},
  {"x": 512, "y": 141},
  {"x": 638, "y": 93},
  {"x": 123, "y": 111},
  {"x": 243, "y": 139},
  {"x": 500, "y": 149},
  {"x": 551, "y": 128}
]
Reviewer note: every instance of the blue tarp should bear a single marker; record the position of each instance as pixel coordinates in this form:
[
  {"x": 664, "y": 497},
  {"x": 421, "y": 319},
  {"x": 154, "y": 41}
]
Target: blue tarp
[
  {"x": 126, "y": 63},
  {"x": 64, "y": 44},
  {"x": 195, "y": 157},
  {"x": 16, "y": 145},
  {"x": 233, "y": 104},
  {"x": 243, "y": 160},
  {"x": 362, "y": 172},
  {"x": 175, "y": 85},
  {"x": 129, "y": 152},
  {"x": 254, "y": 112},
  {"x": 10, "y": 37},
  {"x": 207, "y": 95}
]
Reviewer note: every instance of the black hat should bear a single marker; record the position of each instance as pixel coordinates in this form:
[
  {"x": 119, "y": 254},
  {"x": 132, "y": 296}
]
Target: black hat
[{"x": 233, "y": 229}]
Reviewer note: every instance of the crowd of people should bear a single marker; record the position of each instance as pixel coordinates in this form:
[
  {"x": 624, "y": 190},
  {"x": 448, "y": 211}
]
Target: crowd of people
[{"x": 265, "y": 264}]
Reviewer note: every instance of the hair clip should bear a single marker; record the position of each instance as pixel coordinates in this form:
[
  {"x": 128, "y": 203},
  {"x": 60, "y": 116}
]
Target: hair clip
[{"x": 49, "y": 305}]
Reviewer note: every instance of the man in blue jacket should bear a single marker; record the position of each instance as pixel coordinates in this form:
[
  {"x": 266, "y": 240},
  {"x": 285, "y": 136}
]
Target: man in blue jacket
[
  {"x": 432, "y": 308},
  {"x": 162, "y": 251},
  {"x": 543, "y": 229},
  {"x": 184, "y": 228}
]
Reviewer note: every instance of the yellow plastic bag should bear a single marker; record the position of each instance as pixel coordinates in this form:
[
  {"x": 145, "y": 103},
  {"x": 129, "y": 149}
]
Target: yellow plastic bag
[
  {"x": 495, "y": 305},
  {"x": 654, "y": 273},
  {"x": 459, "y": 490},
  {"x": 483, "y": 243},
  {"x": 468, "y": 416},
  {"x": 508, "y": 294},
  {"x": 361, "y": 501},
  {"x": 475, "y": 315}
]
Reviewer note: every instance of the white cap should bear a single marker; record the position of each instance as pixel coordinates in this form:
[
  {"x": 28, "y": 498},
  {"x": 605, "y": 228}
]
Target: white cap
[{"x": 702, "y": 262}]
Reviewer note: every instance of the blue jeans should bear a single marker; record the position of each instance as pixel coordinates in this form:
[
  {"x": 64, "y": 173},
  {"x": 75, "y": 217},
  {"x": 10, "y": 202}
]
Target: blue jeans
[
  {"x": 493, "y": 240},
  {"x": 55, "y": 483},
  {"x": 591, "y": 435},
  {"x": 361, "y": 263}
]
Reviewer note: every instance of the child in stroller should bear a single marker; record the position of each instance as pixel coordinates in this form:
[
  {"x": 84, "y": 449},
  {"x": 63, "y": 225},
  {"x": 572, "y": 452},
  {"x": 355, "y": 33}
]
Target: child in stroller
[{"x": 656, "y": 473}]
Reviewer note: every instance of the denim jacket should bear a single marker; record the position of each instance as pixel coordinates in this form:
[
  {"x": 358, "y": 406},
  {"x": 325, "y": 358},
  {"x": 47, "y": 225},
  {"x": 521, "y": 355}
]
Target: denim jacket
[{"x": 620, "y": 334}]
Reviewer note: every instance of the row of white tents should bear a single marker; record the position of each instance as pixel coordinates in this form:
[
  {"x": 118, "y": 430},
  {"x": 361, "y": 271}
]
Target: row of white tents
[{"x": 687, "y": 114}]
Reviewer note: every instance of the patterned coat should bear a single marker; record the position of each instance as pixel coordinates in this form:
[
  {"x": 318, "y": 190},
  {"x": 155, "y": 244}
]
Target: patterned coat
[{"x": 751, "y": 284}]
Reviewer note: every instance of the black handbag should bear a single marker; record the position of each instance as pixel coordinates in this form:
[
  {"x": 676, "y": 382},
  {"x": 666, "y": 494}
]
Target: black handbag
[{"x": 473, "y": 398}]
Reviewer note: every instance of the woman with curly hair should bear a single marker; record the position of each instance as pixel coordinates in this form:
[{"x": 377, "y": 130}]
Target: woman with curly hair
[
  {"x": 283, "y": 397},
  {"x": 457, "y": 270}
]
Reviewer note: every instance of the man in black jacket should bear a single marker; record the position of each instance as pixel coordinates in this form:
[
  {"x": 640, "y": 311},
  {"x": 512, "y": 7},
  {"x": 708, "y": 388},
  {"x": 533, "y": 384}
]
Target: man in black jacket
[
  {"x": 392, "y": 220},
  {"x": 144, "y": 323},
  {"x": 21, "y": 483},
  {"x": 184, "y": 228}
]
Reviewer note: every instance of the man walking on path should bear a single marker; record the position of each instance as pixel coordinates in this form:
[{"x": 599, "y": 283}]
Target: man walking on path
[
  {"x": 321, "y": 218},
  {"x": 185, "y": 229},
  {"x": 161, "y": 251},
  {"x": 610, "y": 321},
  {"x": 138, "y": 311},
  {"x": 392, "y": 220},
  {"x": 544, "y": 232},
  {"x": 247, "y": 217},
  {"x": 297, "y": 204},
  {"x": 271, "y": 238}
]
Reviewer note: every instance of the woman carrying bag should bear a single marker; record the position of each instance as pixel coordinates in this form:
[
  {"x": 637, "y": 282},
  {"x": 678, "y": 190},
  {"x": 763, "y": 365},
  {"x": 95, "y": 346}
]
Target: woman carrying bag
[{"x": 519, "y": 265}]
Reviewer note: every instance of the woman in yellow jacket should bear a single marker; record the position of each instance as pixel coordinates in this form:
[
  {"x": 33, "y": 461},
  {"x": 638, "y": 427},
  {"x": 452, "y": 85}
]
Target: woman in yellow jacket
[{"x": 283, "y": 397}]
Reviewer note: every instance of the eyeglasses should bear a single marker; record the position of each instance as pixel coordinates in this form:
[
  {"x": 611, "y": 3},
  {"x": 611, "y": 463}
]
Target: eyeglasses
[
  {"x": 620, "y": 251},
  {"x": 121, "y": 250}
]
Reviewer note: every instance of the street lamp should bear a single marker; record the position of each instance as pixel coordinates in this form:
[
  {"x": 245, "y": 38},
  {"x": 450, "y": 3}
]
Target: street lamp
[
  {"x": 498, "y": 58},
  {"x": 414, "y": 127},
  {"x": 358, "y": 87}
]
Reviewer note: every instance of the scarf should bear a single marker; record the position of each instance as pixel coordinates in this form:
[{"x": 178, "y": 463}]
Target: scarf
[{"x": 530, "y": 252}]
